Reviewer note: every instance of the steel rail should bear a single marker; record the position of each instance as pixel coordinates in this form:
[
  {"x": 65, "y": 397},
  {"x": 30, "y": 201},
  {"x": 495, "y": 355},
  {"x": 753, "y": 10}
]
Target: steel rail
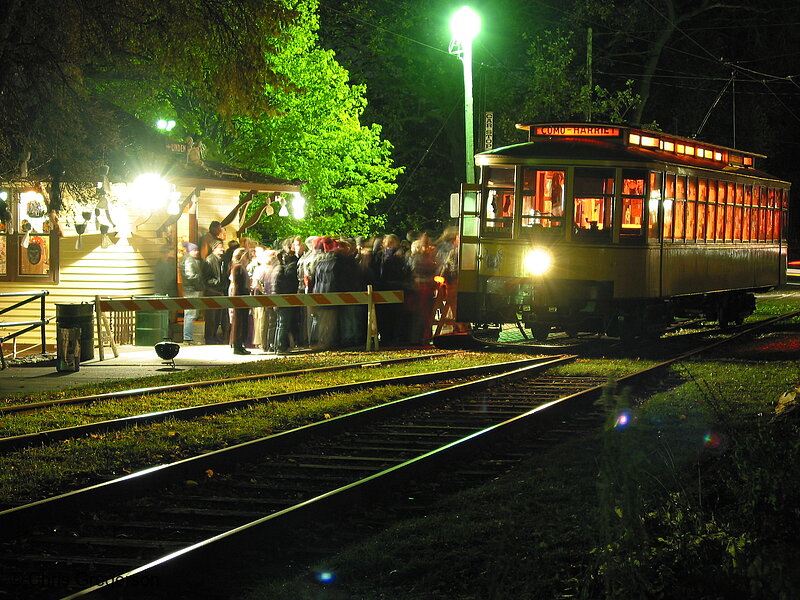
[
  {"x": 16, "y": 442},
  {"x": 269, "y": 528},
  {"x": 178, "y": 387}
]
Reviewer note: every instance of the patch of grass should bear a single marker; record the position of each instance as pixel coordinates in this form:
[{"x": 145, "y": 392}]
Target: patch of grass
[
  {"x": 690, "y": 500},
  {"x": 277, "y": 365},
  {"x": 48, "y": 470},
  {"x": 71, "y": 415}
]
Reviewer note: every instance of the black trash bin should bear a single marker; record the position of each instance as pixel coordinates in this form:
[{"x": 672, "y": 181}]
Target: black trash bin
[
  {"x": 69, "y": 316},
  {"x": 152, "y": 326}
]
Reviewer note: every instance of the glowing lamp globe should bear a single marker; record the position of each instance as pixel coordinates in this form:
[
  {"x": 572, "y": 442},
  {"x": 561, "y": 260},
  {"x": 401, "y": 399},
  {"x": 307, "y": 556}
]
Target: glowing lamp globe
[{"x": 465, "y": 25}]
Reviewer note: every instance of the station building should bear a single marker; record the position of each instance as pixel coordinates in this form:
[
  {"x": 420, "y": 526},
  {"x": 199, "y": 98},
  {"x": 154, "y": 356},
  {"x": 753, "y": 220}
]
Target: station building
[{"x": 109, "y": 233}]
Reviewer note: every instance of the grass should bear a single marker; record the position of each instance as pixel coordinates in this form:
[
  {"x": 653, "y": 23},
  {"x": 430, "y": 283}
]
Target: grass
[
  {"x": 689, "y": 501},
  {"x": 71, "y": 415},
  {"x": 48, "y": 470},
  {"x": 301, "y": 361}
]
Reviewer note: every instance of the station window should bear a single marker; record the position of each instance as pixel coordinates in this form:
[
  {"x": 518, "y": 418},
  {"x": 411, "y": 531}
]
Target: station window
[
  {"x": 543, "y": 200},
  {"x": 28, "y": 251},
  {"x": 499, "y": 207},
  {"x": 633, "y": 195},
  {"x": 652, "y": 205},
  {"x": 593, "y": 193}
]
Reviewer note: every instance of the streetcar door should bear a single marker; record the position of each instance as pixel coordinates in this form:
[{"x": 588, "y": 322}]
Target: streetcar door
[{"x": 468, "y": 228}]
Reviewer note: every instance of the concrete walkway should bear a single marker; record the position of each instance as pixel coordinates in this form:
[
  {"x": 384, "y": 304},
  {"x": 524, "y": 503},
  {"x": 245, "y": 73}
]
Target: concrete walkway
[{"x": 133, "y": 361}]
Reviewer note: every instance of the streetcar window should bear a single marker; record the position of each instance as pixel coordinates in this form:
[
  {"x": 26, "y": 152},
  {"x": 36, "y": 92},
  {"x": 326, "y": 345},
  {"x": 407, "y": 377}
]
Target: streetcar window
[
  {"x": 737, "y": 212},
  {"x": 542, "y": 199},
  {"x": 711, "y": 216},
  {"x": 719, "y": 230},
  {"x": 679, "y": 209},
  {"x": 669, "y": 202},
  {"x": 729, "y": 199},
  {"x": 593, "y": 196},
  {"x": 762, "y": 214},
  {"x": 499, "y": 208},
  {"x": 632, "y": 204},
  {"x": 653, "y": 204},
  {"x": 691, "y": 208},
  {"x": 702, "y": 197}
]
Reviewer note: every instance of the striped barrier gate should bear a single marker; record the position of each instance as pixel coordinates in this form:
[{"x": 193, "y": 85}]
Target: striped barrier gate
[{"x": 369, "y": 298}]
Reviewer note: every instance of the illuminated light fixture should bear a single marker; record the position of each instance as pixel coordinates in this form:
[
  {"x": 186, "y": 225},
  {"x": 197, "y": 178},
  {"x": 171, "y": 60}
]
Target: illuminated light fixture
[
  {"x": 298, "y": 206},
  {"x": 538, "y": 261},
  {"x": 748, "y": 161},
  {"x": 669, "y": 146},
  {"x": 165, "y": 125},
  {"x": 283, "y": 212},
  {"x": 150, "y": 190},
  {"x": 173, "y": 207},
  {"x": 718, "y": 156},
  {"x": 634, "y": 139},
  {"x": 464, "y": 27},
  {"x": 689, "y": 150},
  {"x": 650, "y": 142}
]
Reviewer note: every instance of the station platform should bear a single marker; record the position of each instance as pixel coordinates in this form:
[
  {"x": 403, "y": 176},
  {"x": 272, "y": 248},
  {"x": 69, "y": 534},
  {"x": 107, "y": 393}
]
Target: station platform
[{"x": 133, "y": 361}]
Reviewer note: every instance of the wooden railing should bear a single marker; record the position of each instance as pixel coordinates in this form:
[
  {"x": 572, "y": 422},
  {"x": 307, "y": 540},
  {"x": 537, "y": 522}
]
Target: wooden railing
[{"x": 26, "y": 325}]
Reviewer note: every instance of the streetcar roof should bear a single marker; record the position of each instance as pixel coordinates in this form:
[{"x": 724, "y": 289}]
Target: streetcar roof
[{"x": 616, "y": 143}]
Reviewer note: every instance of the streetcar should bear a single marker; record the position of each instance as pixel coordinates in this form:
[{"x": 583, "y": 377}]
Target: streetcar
[{"x": 618, "y": 231}]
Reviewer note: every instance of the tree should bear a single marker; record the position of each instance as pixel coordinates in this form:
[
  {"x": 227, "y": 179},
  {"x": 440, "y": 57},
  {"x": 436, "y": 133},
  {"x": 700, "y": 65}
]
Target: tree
[{"x": 66, "y": 66}]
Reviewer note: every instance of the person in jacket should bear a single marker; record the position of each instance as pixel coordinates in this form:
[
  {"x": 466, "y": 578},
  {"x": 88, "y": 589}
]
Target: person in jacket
[{"x": 216, "y": 284}]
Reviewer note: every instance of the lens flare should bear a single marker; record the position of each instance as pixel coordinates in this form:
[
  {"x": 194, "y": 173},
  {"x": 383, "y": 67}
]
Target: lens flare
[
  {"x": 325, "y": 577},
  {"x": 623, "y": 420},
  {"x": 712, "y": 440}
]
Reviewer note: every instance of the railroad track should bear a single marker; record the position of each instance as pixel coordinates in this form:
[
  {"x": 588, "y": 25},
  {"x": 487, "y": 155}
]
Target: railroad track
[
  {"x": 16, "y": 442},
  {"x": 170, "y": 521}
]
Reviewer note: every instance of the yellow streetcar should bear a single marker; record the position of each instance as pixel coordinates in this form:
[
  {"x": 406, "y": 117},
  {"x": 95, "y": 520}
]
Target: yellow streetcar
[{"x": 616, "y": 230}]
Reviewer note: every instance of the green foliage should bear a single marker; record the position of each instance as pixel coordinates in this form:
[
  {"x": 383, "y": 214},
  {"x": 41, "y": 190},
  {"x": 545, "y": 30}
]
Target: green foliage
[
  {"x": 699, "y": 517},
  {"x": 556, "y": 87},
  {"x": 68, "y": 66}
]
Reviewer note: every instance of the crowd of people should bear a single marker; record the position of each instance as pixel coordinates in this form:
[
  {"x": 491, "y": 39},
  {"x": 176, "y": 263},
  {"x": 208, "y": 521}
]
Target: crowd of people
[{"x": 415, "y": 265}]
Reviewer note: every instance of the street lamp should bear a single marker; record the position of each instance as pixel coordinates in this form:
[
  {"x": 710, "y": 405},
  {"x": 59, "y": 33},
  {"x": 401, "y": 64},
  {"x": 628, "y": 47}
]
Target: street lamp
[{"x": 464, "y": 26}]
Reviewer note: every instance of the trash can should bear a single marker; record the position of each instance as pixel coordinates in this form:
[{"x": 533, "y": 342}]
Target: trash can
[
  {"x": 152, "y": 326},
  {"x": 69, "y": 316}
]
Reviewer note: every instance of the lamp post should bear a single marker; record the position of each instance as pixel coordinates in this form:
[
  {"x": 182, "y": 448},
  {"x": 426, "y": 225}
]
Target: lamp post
[{"x": 464, "y": 26}]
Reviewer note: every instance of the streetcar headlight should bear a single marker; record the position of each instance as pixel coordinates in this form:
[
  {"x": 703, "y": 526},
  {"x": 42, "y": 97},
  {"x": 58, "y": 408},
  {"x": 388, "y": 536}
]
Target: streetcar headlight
[{"x": 538, "y": 261}]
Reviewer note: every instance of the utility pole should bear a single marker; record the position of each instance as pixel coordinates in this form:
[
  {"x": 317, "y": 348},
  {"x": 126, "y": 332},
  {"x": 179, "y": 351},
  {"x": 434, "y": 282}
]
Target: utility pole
[{"x": 589, "y": 72}]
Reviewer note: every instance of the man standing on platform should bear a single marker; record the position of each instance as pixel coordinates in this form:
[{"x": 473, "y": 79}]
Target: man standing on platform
[
  {"x": 214, "y": 234},
  {"x": 218, "y": 326}
]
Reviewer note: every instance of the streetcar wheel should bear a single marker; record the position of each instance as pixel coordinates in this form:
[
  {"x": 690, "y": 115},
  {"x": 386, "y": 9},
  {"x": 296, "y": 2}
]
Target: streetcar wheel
[{"x": 540, "y": 332}]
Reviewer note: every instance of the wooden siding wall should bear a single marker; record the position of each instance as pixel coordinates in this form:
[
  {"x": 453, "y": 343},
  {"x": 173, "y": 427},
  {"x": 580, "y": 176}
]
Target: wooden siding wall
[{"x": 121, "y": 270}]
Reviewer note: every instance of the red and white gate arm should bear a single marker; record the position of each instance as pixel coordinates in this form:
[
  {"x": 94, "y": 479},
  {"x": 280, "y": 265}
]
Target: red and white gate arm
[{"x": 275, "y": 300}]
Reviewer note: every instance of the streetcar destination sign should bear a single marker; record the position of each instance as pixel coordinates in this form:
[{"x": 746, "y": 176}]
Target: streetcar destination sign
[{"x": 579, "y": 131}]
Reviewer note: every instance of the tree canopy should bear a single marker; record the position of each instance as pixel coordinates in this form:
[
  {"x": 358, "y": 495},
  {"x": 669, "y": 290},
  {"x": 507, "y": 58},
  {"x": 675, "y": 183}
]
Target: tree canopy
[{"x": 64, "y": 64}]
